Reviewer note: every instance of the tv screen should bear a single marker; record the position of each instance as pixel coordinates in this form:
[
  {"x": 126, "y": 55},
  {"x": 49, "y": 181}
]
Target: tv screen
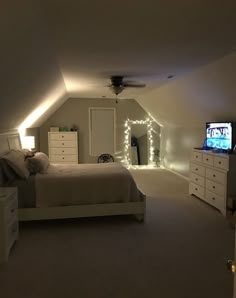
[{"x": 219, "y": 135}]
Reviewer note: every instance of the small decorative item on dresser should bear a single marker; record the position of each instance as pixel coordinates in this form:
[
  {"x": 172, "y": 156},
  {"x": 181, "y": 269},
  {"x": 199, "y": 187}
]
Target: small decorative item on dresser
[
  {"x": 8, "y": 221},
  {"x": 54, "y": 128},
  {"x": 74, "y": 128},
  {"x": 64, "y": 128}
]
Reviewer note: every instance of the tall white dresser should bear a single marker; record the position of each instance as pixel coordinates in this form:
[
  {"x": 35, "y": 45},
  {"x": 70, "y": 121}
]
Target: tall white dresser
[
  {"x": 213, "y": 178},
  {"x": 63, "y": 147}
]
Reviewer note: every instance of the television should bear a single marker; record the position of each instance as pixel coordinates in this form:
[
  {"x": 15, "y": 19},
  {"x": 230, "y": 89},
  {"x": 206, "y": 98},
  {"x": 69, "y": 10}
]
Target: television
[{"x": 219, "y": 136}]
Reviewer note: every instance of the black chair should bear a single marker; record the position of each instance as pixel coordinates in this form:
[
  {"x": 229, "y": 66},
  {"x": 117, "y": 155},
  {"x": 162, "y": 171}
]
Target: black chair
[{"x": 105, "y": 158}]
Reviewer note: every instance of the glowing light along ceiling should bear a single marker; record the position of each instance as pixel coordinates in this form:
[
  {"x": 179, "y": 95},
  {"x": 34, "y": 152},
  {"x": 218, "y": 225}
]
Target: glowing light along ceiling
[{"x": 39, "y": 111}]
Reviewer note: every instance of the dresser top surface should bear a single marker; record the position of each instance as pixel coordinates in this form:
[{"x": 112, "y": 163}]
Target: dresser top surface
[
  {"x": 62, "y": 132},
  {"x": 220, "y": 154}
]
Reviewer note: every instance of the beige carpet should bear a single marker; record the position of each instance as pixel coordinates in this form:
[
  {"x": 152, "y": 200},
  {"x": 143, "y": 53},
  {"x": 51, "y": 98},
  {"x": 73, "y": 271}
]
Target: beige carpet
[{"x": 180, "y": 251}]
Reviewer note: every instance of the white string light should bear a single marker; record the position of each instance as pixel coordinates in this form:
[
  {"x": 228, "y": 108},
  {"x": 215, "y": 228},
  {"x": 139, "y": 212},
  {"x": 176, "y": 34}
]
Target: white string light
[{"x": 128, "y": 122}]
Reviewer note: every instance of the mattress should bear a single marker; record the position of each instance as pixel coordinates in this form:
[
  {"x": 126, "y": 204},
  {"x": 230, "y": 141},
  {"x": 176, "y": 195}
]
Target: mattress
[{"x": 80, "y": 184}]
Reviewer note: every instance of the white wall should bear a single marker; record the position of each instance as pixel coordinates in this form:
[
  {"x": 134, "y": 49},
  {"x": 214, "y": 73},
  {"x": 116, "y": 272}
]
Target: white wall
[
  {"x": 206, "y": 94},
  {"x": 76, "y": 111},
  {"x": 176, "y": 145},
  {"x": 186, "y": 104}
]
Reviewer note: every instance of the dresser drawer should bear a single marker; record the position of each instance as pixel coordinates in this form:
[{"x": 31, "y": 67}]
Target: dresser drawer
[
  {"x": 12, "y": 234},
  {"x": 221, "y": 163},
  {"x": 8, "y": 220},
  {"x": 215, "y": 187},
  {"x": 64, "y": 158},
  {"x": 62, "y": 136},
  {"x": 197, "y": 169},
  {"x": 208, "y": 159},
  {"x": 10, "y": 192},
  {"x": 216, "y": 176},
  {"x": 11, "y": 210},
  {"x": 63, "y": 151},
  {"x": 197, "y": 156},
  {"x": 214, "y": 199},
  {"x": 62, "y": 144},
  {"x": 196, "y": 190},
  {"x": 197, "y": 179}
]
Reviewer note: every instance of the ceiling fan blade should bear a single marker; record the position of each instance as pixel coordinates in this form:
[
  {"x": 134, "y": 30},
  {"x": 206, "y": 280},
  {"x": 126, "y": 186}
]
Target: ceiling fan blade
[{"x": 134, "y": 85}]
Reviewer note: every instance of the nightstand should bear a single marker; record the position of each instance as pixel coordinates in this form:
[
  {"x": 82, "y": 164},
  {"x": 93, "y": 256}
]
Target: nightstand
[{"x": 8, "y": 221}]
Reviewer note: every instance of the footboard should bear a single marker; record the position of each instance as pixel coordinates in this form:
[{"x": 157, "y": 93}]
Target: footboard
[{"x": 135, "y": 208}]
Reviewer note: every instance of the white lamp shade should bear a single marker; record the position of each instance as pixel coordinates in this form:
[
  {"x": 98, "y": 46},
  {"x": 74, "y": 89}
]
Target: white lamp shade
[{"x": 28, "y": 142}]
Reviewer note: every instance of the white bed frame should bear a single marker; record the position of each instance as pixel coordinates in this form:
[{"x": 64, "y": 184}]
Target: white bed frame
[{"x": 12, "y": 141}]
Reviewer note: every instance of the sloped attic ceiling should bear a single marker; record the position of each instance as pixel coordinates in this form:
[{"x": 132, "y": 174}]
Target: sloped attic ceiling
[
  {"x": 54, "y": 49},
  {"x": 30, "y": 79},
  {"x": 207, "y": 94}
]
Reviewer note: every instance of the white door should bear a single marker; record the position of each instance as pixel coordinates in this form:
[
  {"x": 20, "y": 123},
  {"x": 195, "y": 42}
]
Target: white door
[{"x": 102, "y": 133}]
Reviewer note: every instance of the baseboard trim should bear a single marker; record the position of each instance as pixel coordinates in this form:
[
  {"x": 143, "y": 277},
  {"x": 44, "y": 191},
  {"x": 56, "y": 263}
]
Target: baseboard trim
[{"x": 176, "y": 173}]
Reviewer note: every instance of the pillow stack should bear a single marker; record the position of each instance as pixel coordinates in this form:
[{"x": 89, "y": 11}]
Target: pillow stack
[
  {"x": 15, "y": 159},
  {"x": 38, "y": 163},
  {"x": 20, "y": 164}
]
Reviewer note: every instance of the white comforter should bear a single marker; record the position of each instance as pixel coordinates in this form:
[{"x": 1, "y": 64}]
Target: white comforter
[{"x": 64, "y": 185}]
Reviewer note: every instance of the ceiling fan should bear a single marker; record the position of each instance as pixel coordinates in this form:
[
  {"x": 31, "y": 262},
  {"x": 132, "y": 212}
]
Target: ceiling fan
[{"x": 118, "y": 84}]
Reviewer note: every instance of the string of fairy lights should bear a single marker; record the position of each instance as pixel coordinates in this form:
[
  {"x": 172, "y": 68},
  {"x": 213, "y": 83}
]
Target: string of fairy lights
[{"x": 128, "y": 123}]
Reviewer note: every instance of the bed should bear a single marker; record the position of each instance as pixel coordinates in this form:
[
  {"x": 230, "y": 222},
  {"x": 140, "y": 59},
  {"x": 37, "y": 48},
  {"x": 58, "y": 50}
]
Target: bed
[{"x": 71, "y": 191}]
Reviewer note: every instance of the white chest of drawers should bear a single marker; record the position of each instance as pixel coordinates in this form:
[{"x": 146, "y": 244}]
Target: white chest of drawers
[
  {"x": 63, "y": 147},
  {"x": 8, "y": 221},
  {"x": 213, "y": 178}
]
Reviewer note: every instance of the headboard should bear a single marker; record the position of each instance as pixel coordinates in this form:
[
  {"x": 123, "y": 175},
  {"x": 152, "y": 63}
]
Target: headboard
[{"x": 9, "y": 141}]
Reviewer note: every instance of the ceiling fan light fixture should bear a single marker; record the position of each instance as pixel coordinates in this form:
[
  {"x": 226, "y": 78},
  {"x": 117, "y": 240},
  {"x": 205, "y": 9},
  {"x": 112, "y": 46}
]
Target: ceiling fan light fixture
[
  {"x": 118, "y": 84},
  {"x": 117, "y": 89}
]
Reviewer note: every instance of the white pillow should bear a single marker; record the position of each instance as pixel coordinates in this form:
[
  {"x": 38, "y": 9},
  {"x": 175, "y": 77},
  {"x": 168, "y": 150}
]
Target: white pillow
[
  {"x": 16, "y": 160},
  {"x": 38, "y": 163}
]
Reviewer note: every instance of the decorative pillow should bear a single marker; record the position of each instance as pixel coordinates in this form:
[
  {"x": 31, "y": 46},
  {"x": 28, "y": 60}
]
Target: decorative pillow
[
  {"x": 16, "y": 160},
  {"x": 38, "y": 163},
  {"x": 27, "y": 153}
]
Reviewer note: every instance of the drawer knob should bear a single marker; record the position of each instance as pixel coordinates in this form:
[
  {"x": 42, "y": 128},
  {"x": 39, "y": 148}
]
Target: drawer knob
[
  {"x": 196, "y": 169},
  {"x": 196, "y": 156},
  {"x": 214, "y": 175},
  {"x": 195, "y": 188},
  {"x": 213, "y": 186},
  {"x": 213, "y": 199},
  {"x": 219, "y": 162},
  {"x": 196, "y": 179},
  {"x": 62, "y": 136},
  {"x": 62, "y": 157},
  {"x": 63, "y": 151},
  {"x": 62, "y": 143},
  {"x": 206, "y": 159},
  {"x": 12, "y": 210}
]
